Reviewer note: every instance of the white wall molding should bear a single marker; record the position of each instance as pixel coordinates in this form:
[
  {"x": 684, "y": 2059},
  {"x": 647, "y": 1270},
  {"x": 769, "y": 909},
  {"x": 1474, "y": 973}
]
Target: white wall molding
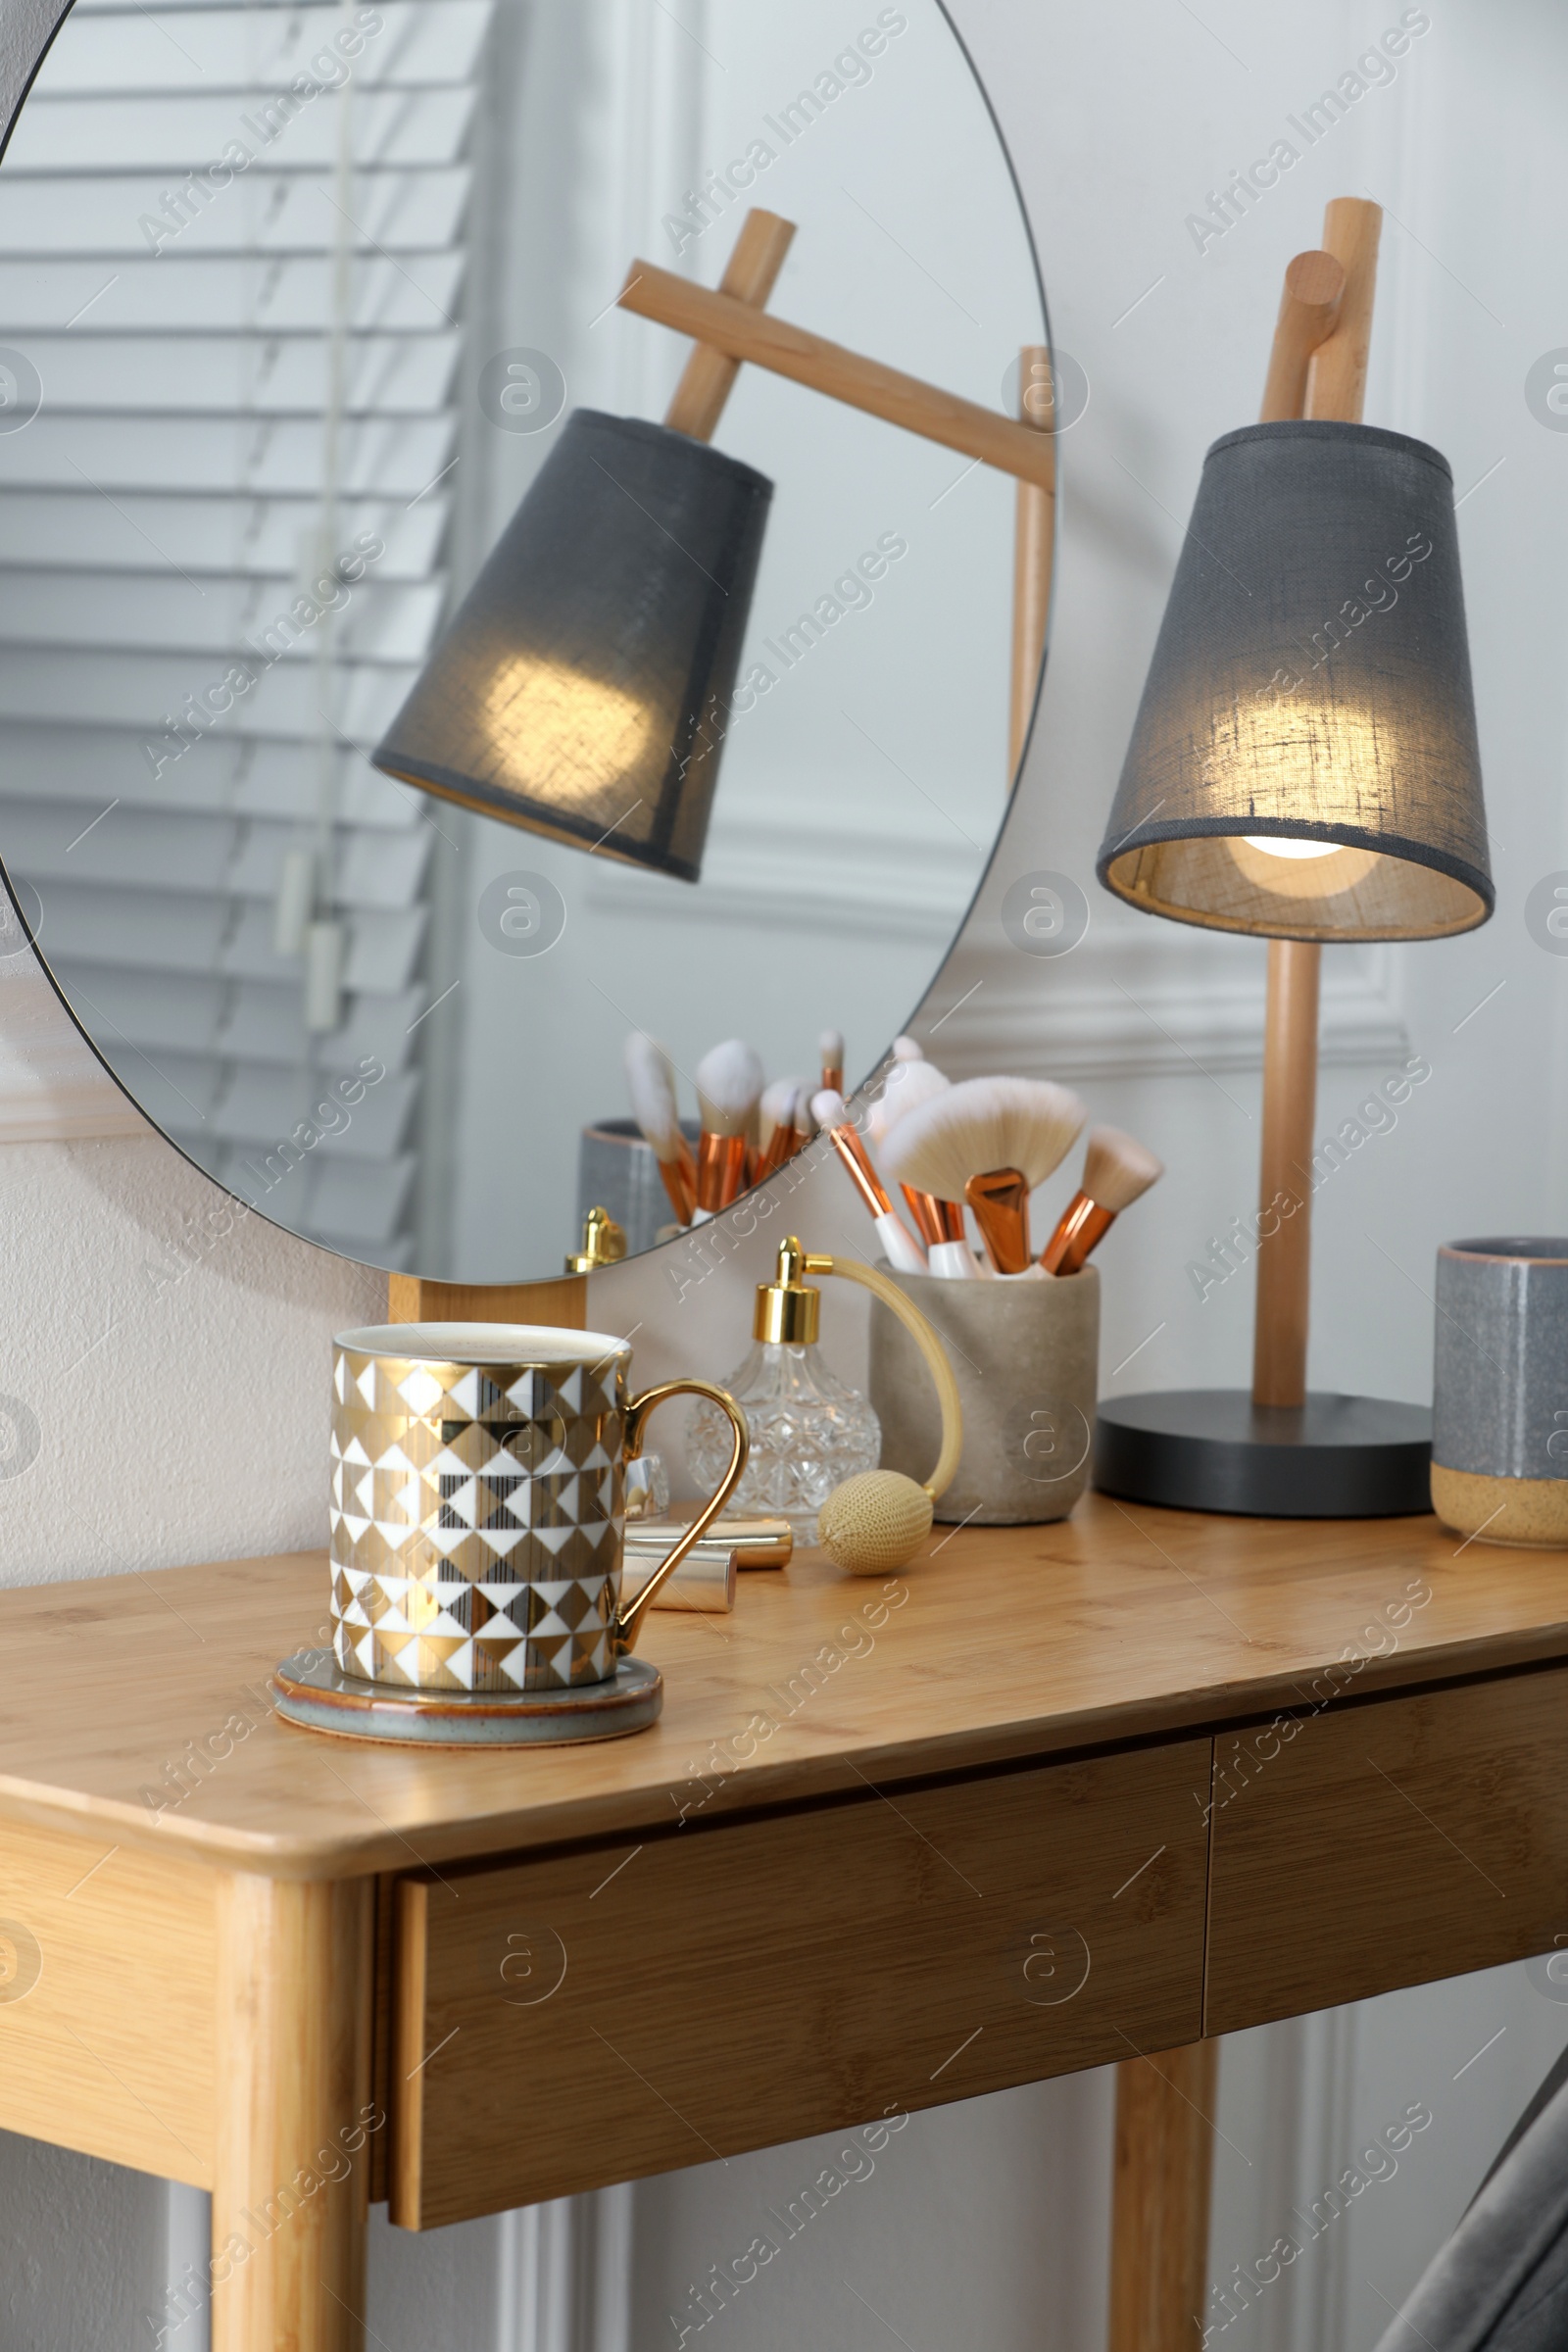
[
  {"x": 1288, "y": 2103},
  {"x": 1180, "y": 1002},
  {"x": 187, "y": 2257},
  {"x": 1316, "y": 2115},
  {"x": 765, "y": 866},
  {"x": 564, "y": 2274}
]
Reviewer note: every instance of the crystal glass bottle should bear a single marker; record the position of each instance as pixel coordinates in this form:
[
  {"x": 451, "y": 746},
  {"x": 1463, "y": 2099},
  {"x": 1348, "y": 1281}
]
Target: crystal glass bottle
[{"x": 809, "y": 1432}]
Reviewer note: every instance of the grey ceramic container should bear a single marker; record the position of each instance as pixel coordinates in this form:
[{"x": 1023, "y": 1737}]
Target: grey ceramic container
[
  {"x": 1500, "y": 1414},
  {"x": 616, "y": 1171},
  {"x": 1026, "y": 1357}
]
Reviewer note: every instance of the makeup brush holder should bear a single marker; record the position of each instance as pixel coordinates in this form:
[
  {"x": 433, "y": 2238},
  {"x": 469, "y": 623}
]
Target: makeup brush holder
[
  {"x": 1499, "y": 1411},
  {"x": 1025, "y": 1355}
]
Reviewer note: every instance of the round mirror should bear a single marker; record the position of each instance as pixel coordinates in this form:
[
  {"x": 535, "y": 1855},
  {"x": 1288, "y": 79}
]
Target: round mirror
[{"x": 300, "y": 302}]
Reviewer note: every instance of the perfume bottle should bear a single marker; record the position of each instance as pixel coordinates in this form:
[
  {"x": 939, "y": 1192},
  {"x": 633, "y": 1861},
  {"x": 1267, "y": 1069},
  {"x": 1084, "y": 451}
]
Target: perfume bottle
[{"x": 809, "y": 1430}]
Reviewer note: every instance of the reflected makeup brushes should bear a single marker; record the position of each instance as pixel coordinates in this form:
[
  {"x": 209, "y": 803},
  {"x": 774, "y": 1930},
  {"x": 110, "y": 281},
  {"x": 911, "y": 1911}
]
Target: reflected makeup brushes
[
  {"x": 651, "y": 1078},
  {"x": 804, "y": 1124},
  {"x": 778, "y": 1138},
  {"x": 830, "y": 1046},
  {"x": 729, "y": 1086},
  {"x": 903, "y": 1253},
  {"x": 1117, "y": 1171},
  {"x": 988, "y": 1142},
  {"x": 985, "y": 1144}
]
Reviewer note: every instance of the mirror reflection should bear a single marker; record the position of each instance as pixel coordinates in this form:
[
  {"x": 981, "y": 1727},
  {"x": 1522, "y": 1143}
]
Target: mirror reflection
[{"x": 299, "y": 304}]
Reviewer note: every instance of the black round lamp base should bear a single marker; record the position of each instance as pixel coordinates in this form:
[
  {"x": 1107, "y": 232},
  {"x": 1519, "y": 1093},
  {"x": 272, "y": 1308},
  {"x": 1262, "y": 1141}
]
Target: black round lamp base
[{"x": 1213, "y": 1449}]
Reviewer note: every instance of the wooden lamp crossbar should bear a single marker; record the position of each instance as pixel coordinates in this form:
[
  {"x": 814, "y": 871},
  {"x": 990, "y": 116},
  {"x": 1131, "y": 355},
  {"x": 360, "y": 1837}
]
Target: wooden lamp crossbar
[
  {"x": 733, "y": 326},
  {"x": 730, "y": 326}
]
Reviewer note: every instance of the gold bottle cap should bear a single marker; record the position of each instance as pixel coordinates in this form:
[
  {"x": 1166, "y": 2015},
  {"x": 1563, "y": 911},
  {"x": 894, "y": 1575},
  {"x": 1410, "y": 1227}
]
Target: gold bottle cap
[
  {"x": 787, "y": 1308},
  {"x": 603, "y": 1243}
]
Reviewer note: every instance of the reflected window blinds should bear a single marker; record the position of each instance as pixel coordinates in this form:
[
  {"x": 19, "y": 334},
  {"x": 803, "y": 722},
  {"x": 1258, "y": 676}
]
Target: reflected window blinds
[{"x": 232, "y": 254}]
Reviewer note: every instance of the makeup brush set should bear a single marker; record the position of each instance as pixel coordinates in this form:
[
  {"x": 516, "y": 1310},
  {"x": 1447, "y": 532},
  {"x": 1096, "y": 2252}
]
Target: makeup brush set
[
  {"x": 981, "y": 1146},
  {"x": 1021, "y": 1325}
]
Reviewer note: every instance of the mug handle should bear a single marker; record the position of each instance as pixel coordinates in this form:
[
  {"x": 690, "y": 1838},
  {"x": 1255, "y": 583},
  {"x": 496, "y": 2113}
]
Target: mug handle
[{"x": 629, "y": 1622}]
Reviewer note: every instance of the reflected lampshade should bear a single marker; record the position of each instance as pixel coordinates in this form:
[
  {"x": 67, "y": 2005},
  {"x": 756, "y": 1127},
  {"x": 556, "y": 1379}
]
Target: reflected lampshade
[
  {"x": 583, "y": 688},
  {"x": 1305, "y": 762}
]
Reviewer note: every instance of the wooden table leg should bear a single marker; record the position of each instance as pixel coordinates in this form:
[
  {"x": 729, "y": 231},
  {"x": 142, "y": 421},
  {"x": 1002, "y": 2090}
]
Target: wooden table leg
[
  {"x": 1160, "y": 2203},
  {"x": 291, "y": 2157}
]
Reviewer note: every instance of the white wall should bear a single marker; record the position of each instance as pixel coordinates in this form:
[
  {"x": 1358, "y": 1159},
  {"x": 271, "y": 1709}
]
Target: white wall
[{"x": 986, "y": 2223}]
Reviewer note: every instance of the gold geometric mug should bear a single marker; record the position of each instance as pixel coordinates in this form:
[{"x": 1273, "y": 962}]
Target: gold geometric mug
[{"x": 476, "y": 1513}]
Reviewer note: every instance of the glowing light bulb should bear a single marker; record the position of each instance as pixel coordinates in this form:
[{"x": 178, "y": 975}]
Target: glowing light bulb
[
  {"x": 561, "y": 729},
  {"x": 1274, "y": 845}
]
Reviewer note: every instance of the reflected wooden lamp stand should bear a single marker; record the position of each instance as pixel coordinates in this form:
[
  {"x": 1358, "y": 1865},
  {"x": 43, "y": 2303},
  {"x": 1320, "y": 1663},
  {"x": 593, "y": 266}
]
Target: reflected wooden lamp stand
[{"x": 731, "y": 326}]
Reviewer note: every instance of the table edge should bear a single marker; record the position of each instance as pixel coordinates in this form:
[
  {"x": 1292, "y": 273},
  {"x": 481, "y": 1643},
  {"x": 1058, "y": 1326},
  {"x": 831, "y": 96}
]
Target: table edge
[{"x": 766, "y": 1786}]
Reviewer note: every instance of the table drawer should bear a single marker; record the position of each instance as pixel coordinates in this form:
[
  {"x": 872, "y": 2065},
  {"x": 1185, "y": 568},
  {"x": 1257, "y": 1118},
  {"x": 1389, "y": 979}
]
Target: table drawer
[
  {"x": 1388, "y": 1843},
  {"x": 597, "y": 2014}
]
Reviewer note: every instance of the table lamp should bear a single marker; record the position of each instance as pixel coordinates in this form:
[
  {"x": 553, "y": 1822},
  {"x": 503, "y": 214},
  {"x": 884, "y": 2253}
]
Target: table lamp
[
  {"x": 579, "y": 690},
  {"x": 1303, "y": 768},
  {"x": 582, "y": 689}
]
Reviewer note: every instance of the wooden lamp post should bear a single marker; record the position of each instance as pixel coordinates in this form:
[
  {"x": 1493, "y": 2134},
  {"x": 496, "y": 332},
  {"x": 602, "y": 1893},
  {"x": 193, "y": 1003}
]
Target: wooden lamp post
[
  {"x": 1224, "y": 1449},
  {"x": 1316, "y": 368}
]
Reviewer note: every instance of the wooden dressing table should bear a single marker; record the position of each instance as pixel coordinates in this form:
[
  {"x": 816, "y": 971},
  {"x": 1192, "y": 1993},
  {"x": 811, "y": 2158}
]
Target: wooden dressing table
[{"x": 1024, "y": 1808}]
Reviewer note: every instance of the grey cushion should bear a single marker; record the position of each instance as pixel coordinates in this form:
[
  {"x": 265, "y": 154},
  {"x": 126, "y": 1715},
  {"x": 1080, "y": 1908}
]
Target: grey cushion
[{"x": 1500, "y": 2284}]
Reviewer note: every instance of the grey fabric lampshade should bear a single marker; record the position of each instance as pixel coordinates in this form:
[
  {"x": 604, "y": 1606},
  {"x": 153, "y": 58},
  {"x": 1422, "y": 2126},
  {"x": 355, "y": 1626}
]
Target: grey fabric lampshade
[
  {"x": 1310, "y": 685},
  {"x": 583, "y": 688}
]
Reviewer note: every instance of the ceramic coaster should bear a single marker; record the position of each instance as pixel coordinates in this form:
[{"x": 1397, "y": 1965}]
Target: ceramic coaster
[{"x": 312, "y": 1689}]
